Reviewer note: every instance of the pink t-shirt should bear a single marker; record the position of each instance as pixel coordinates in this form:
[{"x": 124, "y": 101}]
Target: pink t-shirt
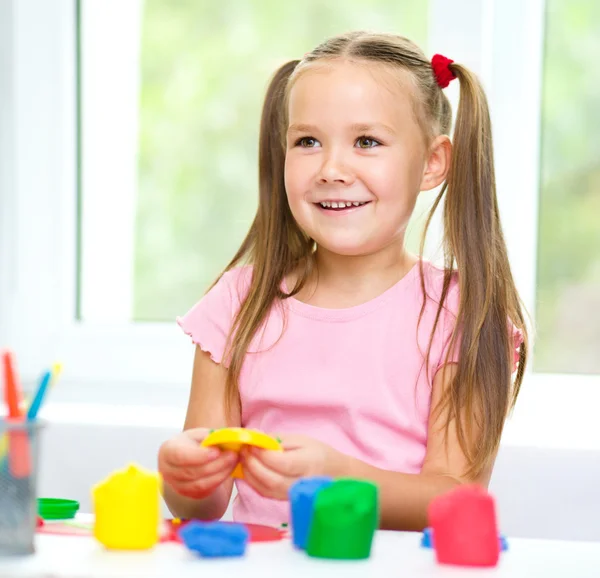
[{"x": 353, "y": 378}]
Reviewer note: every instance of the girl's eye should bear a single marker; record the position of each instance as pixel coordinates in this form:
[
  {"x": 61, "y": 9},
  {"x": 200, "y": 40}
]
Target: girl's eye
[
  {"x": 307, "y": 142},
  {"x": 366, "y": 142}
]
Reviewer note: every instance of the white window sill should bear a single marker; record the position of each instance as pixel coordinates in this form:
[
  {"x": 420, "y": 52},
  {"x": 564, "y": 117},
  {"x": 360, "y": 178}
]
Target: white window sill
[
  {"x": 111, "y": 415},
  {"x": 553, "y": 412}
]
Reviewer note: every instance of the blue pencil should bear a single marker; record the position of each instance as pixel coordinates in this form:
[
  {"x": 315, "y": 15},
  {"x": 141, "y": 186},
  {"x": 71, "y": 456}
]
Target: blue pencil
[{"x": 38, "y": 399}]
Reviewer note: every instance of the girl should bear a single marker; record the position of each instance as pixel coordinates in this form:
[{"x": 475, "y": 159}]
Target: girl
[{"x": 323, "y": 330}]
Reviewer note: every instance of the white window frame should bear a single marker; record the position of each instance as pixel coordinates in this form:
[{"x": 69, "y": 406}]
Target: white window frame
[
  {"x": 109, "y": 88},
  {"x": 502, "y": 41},
  {"x": 39, "y": 214}
]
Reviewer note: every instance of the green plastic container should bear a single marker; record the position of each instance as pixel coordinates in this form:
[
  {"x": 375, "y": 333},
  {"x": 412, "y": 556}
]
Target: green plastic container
[
  {"x": 345, "y": 518},
  {"x": 57, "y": 508}
]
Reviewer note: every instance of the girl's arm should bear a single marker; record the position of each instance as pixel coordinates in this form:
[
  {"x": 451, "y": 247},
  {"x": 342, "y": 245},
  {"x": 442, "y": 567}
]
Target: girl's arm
[
  {"x": 405, "y": 497},
  {"x": 206, "y": 409}
]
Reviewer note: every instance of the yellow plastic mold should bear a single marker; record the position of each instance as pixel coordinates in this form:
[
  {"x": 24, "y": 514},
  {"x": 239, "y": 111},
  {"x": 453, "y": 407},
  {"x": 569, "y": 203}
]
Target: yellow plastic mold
[
  {"x": 127, "y": 509},
  {"x": 235, "y": 438}
]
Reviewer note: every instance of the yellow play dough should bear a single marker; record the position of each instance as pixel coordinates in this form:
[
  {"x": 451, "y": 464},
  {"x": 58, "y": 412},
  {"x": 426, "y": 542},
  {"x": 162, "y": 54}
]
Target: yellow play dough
[{"x": 234, "y": 438}]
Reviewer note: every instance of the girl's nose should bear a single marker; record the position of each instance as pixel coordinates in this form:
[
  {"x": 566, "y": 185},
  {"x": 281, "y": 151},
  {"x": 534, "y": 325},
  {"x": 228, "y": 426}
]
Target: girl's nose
[{"x": 335, "y": 170}]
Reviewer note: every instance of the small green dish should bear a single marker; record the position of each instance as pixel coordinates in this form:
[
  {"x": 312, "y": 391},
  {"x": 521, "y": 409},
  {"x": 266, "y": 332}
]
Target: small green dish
[{"x": 57, "y": 508}]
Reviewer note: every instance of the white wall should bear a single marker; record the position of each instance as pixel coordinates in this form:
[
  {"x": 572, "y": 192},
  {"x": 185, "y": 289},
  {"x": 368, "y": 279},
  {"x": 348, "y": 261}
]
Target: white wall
[
  {"x": 548, "y": 492},
  {"x": 541, "y": 492}
]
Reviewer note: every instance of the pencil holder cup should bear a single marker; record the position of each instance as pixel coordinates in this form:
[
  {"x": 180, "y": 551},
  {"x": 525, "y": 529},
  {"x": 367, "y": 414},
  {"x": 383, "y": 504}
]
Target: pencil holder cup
[{"x": 19, "y": 441}]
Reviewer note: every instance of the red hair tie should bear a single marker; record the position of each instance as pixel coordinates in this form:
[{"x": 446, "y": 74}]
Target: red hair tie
[{"x": 441, "y": 69}]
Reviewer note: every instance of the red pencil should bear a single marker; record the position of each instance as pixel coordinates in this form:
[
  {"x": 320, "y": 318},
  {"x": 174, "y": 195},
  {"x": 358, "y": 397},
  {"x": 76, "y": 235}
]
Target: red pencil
[
  {"x": 19, "y": 453},
  {"x": 12, "y": 394}
]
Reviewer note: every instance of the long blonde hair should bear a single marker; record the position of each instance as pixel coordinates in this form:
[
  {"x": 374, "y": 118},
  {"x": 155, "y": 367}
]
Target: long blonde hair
[{"x": 483, "y": 386}]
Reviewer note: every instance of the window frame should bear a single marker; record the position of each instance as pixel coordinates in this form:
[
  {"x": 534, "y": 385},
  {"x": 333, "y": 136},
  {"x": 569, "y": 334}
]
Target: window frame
[{"x": 39, "y": 208}]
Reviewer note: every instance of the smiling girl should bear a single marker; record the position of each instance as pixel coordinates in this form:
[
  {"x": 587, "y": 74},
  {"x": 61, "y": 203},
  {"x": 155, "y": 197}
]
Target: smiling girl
[{"x": 367, "y": 361}]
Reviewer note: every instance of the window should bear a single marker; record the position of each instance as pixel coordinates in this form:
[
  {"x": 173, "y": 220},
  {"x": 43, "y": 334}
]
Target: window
[
  {"x": 170, "y": 113},
  {"x": 568, "y": 291},
  {"x": 128, "y": 165}
]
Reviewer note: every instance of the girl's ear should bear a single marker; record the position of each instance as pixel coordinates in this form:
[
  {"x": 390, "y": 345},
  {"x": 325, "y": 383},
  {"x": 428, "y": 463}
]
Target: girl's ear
[{"x": 438, "y": 163}]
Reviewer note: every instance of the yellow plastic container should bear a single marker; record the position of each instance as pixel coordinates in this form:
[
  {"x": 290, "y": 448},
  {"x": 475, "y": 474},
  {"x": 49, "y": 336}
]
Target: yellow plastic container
[
  {"x": 234, "y": 438},
  {"x": 127, "y": 509}
]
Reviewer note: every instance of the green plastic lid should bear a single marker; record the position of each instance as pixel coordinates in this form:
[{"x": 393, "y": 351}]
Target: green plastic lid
[
  {"x": 57, "y": 508},
  {"x": 345, "y": 517}
]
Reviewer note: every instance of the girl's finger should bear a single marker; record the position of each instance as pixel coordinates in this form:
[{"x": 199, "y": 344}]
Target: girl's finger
[
  {"x": 181, "y": 454},
  {"x": 291, "y": 441},
  {"x": 284, "y": 463},
  {"x": 226, "y": 461},
  {"x": 264, "y": 480},
  {"x": 257, "y": 486},
  {"x": 202, "y": 488},
  {"x": 197, "y": 434}
]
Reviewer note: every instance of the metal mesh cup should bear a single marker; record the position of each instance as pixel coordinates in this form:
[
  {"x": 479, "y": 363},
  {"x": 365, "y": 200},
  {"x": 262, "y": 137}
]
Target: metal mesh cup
[{"x": 18, "y": 485}]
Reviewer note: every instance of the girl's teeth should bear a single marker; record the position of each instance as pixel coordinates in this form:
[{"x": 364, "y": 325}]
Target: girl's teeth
[{"x": 341, "y": 205}]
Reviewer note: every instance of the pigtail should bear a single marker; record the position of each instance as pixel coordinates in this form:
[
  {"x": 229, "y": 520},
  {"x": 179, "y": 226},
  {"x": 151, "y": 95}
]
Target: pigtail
[
  {"x": 274, "y": 242},
  {"x": 482, "y": 388}
]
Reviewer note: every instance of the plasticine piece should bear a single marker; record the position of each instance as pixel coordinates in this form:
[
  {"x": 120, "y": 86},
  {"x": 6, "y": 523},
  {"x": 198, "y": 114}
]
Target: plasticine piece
[
  {"x": 127, "y": 509},
  {"x": 345, "y": 517},
  {"x": 427, "y": 540},
  {"x": 256, "y": 532},
  {"x": 234, "y": 438},
  {"x": 463, "y": 522},
  {"x": 302, "y": 497},
  {"x": 215, "y": 539}
]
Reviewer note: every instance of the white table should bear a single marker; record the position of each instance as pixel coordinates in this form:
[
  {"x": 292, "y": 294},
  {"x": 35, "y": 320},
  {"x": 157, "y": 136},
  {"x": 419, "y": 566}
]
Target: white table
[{"x": 394, "y": 554}]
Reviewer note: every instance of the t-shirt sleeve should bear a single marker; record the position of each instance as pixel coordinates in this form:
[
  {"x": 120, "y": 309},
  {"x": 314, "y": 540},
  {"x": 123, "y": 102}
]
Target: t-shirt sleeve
[
  {"x": 209, "y": 321},
  {"x": 449, "y": 323},
  {"x": 517, "y": 342}
]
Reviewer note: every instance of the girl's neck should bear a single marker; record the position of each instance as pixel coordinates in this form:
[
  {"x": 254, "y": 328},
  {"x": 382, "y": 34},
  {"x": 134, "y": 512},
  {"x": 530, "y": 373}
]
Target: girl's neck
[{"x": 345, "y": 281}]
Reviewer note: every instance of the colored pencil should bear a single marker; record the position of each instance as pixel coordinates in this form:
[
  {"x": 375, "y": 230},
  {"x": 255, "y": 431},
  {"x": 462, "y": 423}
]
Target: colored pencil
[{"x": 19, "y": 454}]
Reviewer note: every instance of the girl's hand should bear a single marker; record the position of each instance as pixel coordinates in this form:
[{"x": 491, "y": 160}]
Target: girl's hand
[
  {"x": 191, "y": 470},
  {"x": 271, "y": 473}
]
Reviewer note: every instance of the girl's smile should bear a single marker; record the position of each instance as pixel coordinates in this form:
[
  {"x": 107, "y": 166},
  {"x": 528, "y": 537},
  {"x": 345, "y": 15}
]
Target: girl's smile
[{"x": 340, "y": 207}]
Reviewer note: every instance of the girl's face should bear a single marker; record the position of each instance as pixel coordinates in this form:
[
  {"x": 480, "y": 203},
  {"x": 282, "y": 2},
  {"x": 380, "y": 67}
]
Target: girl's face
[{"x": 356, "y": 157}]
